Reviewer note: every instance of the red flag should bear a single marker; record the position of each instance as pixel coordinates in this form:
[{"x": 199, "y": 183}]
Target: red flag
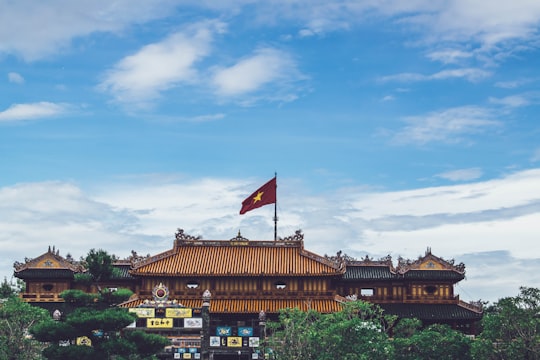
[{"x": 265, "y": 195}]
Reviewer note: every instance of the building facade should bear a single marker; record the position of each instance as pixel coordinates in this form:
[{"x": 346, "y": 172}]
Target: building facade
[{"x": 245, "y": 282}]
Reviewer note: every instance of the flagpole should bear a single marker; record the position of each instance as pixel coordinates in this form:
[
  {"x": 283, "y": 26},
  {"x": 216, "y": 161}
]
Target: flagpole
[{"x": 275, "y": 212}]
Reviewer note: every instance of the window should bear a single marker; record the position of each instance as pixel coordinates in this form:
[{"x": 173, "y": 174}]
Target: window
[
  {"x": 367, "y": 292},
  {"x": 192, "y": 285},
  {"x": 430, "y": 289},
  {"x": 48, "y": 287},
  {"x": 280, "y": 285}
]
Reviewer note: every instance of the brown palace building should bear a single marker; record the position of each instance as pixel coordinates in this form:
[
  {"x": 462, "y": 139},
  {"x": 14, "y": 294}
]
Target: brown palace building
[{"x": 245, "y": 277}]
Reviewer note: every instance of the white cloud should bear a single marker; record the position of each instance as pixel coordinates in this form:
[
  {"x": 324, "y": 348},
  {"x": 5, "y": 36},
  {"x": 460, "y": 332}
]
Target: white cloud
[
  {"x": 61, "y": 21},
  {"x": 491, "y": 26},
  {"x": 518, "y": 100},
  {"x": 490, "y": 22},
  {"x": 139, "y": 78},
  {"x": 461, "y": 174},
  {"x": 267, "y": 66},
  {"x": 469, "y": 74},
  {"x": 33, "y": 111},
  {"x": 449, "y": 126},
  {"x": 512, "y": 84},
  {"x": 15, "y": 78},
  {"x": 478, "y": 222},
  {"x": 486, "y": 27},
  {"x": 536, "y": 155},
  {"x": 449, "y": 56}
]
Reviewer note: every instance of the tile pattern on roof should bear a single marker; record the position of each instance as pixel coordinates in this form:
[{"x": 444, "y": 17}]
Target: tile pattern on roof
[
  {"x": 369, "y": 273},
  {"x": 254, "y": 306},
  {"x": 427, "y": 267},
  {"x": 194, "y": 256},
  {"x": 45, "y": 274},
  {"x": 432, "y": 312}
]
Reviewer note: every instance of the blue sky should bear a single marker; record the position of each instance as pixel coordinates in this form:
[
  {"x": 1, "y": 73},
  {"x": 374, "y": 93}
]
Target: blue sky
[{"x": 392, "y": 126}]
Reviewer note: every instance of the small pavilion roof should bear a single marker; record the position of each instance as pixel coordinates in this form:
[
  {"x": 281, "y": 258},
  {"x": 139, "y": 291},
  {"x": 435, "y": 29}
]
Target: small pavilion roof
[{"x": 47, "y": 265}]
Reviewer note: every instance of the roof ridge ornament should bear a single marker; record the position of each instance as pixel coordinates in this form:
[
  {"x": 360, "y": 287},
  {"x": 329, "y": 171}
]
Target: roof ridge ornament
[
  {"x": 239, "y": 237},
  {"x": 298, "y": 236},
  {"x": 405, "y": 265},
  {"x": 181, "y": 236}
]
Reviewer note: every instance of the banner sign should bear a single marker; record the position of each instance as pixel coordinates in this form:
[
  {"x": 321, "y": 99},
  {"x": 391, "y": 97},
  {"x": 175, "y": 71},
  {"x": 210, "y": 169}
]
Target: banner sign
[
  {"x": 193, "y": 323},
  {"x": 224, "y": 331},
  {"x": 215, "y": 341},
  {"x": 245, "y": 331},
  {"x": 254, "y": 342},
  {"x": 159, "y": 323},
  {"x": 143, "y": 312},
  {"x": 178, "y": 312},
  {"x": 234, "y": 341}
]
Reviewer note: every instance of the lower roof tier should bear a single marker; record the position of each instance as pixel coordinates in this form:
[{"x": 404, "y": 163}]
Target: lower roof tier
[
  {"x": 254, "y": 306},
  {"x": 432, "y": 312}
]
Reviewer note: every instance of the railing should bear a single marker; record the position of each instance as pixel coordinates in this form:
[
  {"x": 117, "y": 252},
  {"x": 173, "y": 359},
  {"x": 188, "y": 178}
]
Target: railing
[
  {"x": 41, "y": 297},
  {"x": 431, "y": 298},
  {"x": 473, "y": 306}
]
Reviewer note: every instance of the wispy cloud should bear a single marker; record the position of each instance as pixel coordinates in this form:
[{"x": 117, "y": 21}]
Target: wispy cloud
[
  {"x": 33, "y": 111},
  {"x": 494, "y": 26},
  {"x": 461, "y": 174},
  {"x": 518, "y": 100},
  {"x": 470, "y": 218},
  {"x": 65, "y": 21},
  {"x": 512, "y": 84},
  {"x": 15, "y": 78},
  {"x": 469, "y": 74},
  {"x": 265, "y": 67},
  {"x": 448, "y": 126},
  {"x": 536, "y": 155},
  {"x": 490, "y": 26},
  {"x": 449, "y": 56},
  {"x": 141, "y": 77}
]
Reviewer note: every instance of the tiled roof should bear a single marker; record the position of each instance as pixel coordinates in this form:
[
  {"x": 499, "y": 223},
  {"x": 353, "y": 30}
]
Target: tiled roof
[
  {"x": 223, "y": 258},
  {"x": 48, "y": 260},
  {"x": 433, "y": 275},
  {"x": 435, "y": 312},
  {"x": 44, "y": 274},
  {"x": 363, "y": 272},
  {"x": 368, "y": 273},
  {"x": 254, "y": 306}
]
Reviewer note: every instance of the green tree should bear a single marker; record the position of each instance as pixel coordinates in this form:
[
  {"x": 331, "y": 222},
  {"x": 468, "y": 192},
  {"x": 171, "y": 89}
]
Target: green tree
[
  {"x": 95, "y": 317},
  {"x": 16, "y": 317},
  {"x": 99, "y": 265},
  {"x": 103, "y": 328},
  {"x": 79, "y": 298},
  {"x": 511, "y": 328},
  {"x": 6, "y": 290},
  {"x": 294, "y": 334},
  {"x": 407, "y": 327},
  {"x": 357, "y": 332},
  {"x": 434, "y": 342}
]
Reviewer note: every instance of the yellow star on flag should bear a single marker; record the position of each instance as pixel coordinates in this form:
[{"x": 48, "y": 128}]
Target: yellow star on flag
[{"x": 258, "y": 197}]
